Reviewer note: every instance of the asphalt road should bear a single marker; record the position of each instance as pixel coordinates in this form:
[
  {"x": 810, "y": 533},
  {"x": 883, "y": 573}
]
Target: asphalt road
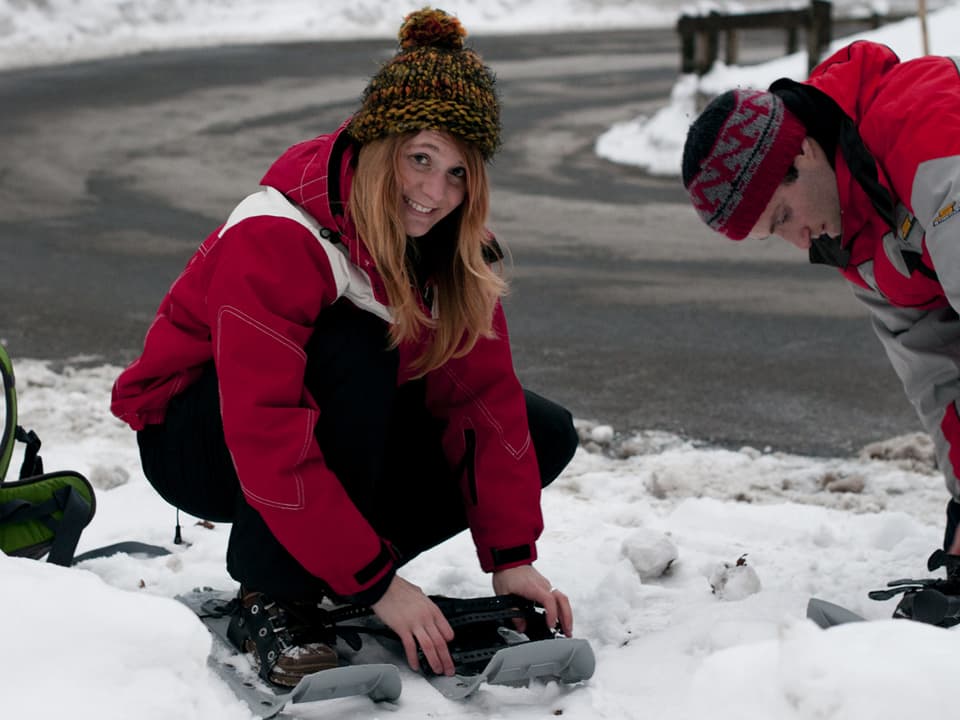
[{"x": 623, "y": 306}]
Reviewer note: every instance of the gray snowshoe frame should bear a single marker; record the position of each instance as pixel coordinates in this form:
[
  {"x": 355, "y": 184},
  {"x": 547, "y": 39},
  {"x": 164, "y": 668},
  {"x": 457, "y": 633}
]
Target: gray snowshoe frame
[
  {"x": 507, "y": 657},
  {"x": 482, "y": 627}
]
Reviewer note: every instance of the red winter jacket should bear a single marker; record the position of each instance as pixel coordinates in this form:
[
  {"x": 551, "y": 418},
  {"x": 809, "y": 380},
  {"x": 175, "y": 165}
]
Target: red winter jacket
[
  {"x": 908, "y": 115},
  {"x": 248, "y": 300}
]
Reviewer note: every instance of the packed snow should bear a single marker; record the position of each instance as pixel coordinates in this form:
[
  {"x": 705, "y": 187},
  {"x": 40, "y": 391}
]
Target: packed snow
[{"x": 689, "y": 567}]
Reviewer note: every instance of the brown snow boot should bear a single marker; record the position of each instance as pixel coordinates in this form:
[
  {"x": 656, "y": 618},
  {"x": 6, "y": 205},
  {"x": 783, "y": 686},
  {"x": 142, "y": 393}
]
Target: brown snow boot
[{"x": 279, "y": 635}]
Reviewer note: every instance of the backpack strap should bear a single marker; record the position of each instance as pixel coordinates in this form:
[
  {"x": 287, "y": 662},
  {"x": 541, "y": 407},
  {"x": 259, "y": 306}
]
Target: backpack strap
[
  {"x": 32, "y": 463},
  {"x": 66, "y": 533},
  {"x": 46, "y": 514},
  {"x": 8, "y": 433}
]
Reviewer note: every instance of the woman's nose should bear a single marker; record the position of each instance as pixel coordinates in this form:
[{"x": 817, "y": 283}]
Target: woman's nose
[{"x": 433, "y": 185}]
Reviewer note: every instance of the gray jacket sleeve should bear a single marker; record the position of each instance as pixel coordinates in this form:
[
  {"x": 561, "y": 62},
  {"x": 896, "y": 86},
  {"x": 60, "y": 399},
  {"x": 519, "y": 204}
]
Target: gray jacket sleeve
[{"x": 924, "y": 349}]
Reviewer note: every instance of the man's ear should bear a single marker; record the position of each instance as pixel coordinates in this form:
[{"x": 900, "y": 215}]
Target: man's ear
[{"x": 809, "y": 150}]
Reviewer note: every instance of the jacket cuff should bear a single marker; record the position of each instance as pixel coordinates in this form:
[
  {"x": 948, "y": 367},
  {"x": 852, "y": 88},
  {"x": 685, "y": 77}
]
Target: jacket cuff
[
  {"x": 383, "y": 568},
  {"x": 370, "y": 595},
  {"x": 502, "y": 558}
]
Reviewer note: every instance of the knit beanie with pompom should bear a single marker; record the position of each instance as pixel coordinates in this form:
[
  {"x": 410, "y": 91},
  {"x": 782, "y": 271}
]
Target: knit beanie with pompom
[{"x": 432, "y": 83}]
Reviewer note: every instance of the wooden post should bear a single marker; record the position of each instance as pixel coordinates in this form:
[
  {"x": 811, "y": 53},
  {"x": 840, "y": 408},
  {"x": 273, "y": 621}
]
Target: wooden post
[
  {"x": 819, "y": 32},
  {"x": 922, "y": 12},
  {"x": 711, "y": 45},
  {"x": 731, "y": 48},
  {"x": 792, "y": 36},
  {"x": 688, "y": 46}
]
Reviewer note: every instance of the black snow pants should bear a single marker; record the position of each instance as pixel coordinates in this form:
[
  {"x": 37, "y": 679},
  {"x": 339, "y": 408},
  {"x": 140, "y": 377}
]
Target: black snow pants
[{"x": 379, "y": 440}]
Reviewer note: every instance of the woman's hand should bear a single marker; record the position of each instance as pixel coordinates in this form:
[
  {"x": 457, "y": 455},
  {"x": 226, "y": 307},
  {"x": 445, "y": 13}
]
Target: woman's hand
[
  {"x": 417, "y": 620},
  {"x": 527, "y": 582}
]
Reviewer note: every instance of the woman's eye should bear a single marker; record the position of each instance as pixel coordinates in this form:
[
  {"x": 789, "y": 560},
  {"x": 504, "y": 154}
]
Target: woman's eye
[
  {"x": 421, "y": 159},
  {"x": 459, "y": 172}
]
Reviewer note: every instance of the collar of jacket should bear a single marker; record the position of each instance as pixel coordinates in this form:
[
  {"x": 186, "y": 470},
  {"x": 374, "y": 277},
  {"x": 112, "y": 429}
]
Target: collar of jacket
[
  {"x": 340, "y": 166},
  {"x": 827, "y": 250}
]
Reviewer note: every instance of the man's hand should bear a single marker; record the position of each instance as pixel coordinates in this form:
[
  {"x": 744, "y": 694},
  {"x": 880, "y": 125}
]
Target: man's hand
[
  {"x": 527, "y": 582},
  {"x": 417, "y": 620}
]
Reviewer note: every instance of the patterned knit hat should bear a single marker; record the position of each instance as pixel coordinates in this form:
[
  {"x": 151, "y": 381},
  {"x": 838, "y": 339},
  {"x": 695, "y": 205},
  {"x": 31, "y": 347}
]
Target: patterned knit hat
[
  {"x": 432, "y": 83},
  {"x": 736, "y": 155}
]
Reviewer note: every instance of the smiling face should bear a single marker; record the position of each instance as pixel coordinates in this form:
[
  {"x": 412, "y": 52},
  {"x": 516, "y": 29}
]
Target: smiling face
[
  {"x": 433, "y": 180},
  {"x": 806, "y": 207}
]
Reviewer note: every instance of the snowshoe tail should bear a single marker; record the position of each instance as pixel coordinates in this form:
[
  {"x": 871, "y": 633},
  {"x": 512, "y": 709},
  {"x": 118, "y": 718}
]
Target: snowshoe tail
[
  {"x": 567, "y": 660},
  {"x": 826, "y": 614},
  {"x": 378, "y": 682}
]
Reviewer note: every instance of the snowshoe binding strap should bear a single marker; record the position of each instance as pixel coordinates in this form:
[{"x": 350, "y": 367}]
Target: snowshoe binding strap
[
  {"x": 941, "y": 559},
  {"x": 484, "y": 626},
  {"x": 269, "y": 627},
  {"x": 262, "y": 623}
]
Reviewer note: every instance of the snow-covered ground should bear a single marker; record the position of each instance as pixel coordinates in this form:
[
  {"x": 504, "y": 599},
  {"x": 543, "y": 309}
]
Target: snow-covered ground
[{"x": 105, "y": 640}]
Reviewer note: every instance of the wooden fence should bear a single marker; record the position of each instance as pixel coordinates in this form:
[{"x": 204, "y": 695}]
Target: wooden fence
[{"x": 700, "y": 35}]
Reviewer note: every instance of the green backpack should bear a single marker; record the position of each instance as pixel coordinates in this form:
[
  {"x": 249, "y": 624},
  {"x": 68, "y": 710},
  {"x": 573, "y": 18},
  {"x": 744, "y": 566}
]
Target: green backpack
[{"x": 44, "y": 513}]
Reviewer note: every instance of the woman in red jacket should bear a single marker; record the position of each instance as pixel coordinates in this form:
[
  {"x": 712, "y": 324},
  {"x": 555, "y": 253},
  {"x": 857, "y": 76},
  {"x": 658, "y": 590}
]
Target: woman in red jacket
[{"x": 332, "y": 374}]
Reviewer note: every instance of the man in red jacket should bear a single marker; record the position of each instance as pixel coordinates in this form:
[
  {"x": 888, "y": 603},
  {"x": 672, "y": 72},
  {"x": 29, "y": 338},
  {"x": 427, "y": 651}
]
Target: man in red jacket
[
  {"x": 859, "y": 166},
  {"x": 332, "y": 373}
]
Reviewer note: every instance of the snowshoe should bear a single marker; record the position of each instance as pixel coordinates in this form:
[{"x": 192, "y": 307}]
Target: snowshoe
[{"x": 487, "y": 649}]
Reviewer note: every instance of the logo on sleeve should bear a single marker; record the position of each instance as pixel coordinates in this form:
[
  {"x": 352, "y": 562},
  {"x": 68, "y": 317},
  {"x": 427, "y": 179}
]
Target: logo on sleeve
[{"x": 946, "y": 213}]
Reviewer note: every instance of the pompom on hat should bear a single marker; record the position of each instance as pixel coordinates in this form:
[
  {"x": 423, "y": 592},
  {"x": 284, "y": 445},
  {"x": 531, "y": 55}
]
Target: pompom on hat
[
  {"x": 736, "y": 155},
  {"x": 432, "y": 83}
]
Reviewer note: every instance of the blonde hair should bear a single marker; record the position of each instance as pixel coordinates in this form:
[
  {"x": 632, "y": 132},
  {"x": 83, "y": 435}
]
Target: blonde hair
[{"x": 466, "y": 290}]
